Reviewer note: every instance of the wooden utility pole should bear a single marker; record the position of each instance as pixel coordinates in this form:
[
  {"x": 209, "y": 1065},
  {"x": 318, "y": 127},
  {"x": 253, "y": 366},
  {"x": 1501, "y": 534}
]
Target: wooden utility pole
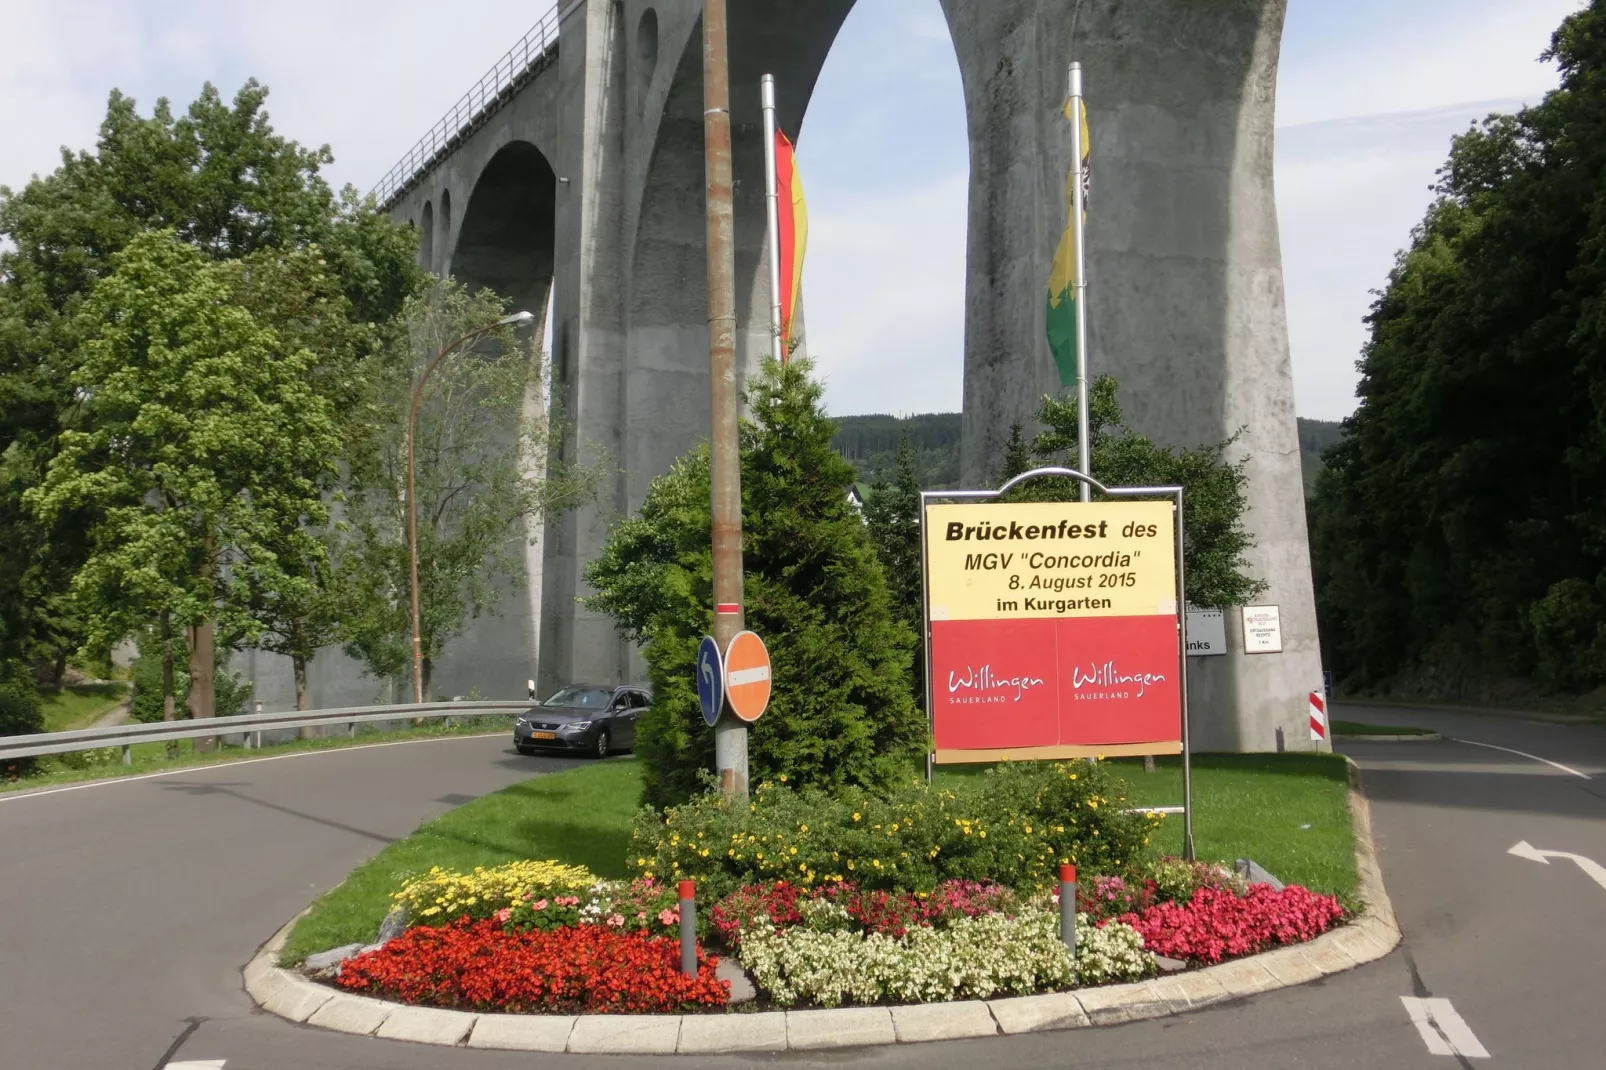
[{"x": 730, "y": 734}]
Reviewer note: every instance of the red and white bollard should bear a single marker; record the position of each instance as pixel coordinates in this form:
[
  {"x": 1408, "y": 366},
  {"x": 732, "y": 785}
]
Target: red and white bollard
[
  {"x": 1318, "y": 717},
  {"x": 1068, "y": 907},
  {"x": 688, "y": 928}
]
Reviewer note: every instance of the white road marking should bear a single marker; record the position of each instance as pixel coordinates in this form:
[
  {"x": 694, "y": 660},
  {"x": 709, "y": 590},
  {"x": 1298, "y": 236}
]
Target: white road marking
[
  {"x": 1596, "y": 871},
  {"x": 1442, "y": 1029},
  {"x": 18, "y": 796},
  {"x": 197, "y": 1064},
  {"x": 1523, "y": 753}
]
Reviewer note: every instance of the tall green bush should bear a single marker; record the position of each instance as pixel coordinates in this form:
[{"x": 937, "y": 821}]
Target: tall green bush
[{"x": 841, "y": 712}]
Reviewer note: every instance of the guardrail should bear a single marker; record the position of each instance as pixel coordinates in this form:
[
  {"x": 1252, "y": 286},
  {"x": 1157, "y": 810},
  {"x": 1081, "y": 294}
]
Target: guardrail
[
  {"x": 488, "y": 94},
  {"x": 126, "y": 735}
]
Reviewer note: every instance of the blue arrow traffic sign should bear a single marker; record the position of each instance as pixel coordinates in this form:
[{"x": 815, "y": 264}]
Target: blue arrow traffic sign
[{"x": 710, "y": 679}]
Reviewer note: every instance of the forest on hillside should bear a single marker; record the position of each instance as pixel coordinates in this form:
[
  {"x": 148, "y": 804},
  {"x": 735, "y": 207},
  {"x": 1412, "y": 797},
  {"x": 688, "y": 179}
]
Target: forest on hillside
[{"x": 869, "y": 443}]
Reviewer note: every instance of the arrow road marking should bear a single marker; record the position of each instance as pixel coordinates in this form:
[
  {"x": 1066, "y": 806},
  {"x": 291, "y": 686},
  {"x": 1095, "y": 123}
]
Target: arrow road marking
[
  {"x": 1596, "y": 871},
  {"x": 1442, "y": 1029}
]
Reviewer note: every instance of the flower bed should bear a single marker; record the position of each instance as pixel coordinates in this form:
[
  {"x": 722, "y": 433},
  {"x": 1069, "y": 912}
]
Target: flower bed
[
  {"x": 484, "y": 966},
  {"x": 1215, "y": 924},
  {"x": 919, "y": 896}
]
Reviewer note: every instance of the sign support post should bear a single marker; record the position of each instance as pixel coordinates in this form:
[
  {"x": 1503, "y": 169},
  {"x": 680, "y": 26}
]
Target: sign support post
[
  {"x": 730, "y": 733},
  {"x": 1041, "y": 583}
]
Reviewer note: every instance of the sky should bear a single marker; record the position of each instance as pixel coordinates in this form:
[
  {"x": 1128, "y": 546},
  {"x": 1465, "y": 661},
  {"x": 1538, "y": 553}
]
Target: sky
[{"x": 1369, "y": 94}]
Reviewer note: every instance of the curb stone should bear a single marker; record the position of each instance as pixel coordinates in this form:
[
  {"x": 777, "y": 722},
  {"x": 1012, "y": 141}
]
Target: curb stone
[{"x": 1371, "y": 936}]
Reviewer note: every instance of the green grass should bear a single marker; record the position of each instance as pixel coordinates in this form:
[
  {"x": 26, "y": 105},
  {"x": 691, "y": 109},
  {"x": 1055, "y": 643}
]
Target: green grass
[
  {"x": 1251, "y": 806},
  {"x": 580, "y": 816},
  {"x": 107, "y": 763},
  {"x": 1245, "y": 806},
  {"x": 1359, "y": 728},
  {"x": 79, "y": 706}
]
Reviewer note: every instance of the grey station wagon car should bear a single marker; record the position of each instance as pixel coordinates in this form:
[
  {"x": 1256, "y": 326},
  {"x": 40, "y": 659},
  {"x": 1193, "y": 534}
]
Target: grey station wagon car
[{"x": 583, "y": 719}]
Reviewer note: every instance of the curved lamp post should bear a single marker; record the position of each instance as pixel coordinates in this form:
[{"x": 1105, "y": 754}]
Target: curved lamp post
[{"x": 517, "y": 319}]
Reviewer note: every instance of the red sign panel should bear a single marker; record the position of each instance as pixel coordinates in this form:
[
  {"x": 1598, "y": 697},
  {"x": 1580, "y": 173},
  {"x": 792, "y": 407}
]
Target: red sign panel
[{"x": 1071, "y": 681}]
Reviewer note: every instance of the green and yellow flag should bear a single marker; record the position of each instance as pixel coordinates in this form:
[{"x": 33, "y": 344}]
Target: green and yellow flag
[{"x": 1061, "y": 284}]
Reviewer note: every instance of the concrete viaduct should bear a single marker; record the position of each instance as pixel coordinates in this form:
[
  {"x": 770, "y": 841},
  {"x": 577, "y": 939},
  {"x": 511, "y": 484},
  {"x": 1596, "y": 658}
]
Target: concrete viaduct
[{"x": 573, "y": 177}]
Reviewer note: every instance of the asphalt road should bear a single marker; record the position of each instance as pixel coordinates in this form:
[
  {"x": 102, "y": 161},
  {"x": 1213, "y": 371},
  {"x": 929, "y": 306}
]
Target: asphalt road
[{"x": 128, "y": 908}]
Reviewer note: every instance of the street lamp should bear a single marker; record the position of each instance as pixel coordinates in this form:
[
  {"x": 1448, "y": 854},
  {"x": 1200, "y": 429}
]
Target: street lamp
[{"x": 517, "y": 319}]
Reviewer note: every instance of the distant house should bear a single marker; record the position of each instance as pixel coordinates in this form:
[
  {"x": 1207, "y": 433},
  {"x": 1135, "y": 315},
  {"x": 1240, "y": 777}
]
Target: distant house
[{"x": 856, "y": 494}]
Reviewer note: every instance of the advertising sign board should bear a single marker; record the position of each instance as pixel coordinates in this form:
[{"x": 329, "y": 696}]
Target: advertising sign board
[{"x": 1053, "y": 629}]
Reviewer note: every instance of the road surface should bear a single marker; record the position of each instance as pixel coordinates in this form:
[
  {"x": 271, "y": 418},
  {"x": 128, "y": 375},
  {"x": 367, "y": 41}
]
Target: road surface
[{"x": 128, "y": 909}]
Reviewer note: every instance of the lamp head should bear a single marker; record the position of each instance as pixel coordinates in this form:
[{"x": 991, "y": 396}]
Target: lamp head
[{"x": 517, "y": 319}]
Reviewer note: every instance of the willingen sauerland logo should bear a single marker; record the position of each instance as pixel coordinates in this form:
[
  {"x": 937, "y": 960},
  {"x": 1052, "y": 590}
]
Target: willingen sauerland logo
[
  {"x": 973, "y": 686},
  {"x": 1107, "y": 681}
]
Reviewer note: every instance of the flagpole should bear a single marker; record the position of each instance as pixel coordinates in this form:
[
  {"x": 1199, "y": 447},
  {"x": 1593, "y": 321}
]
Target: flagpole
[
  {"x": 772, "y": 202},
  {"x": 1084, "y": 449}
]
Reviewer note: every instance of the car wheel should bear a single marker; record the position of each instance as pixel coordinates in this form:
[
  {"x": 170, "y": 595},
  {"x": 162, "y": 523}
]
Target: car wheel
[{"x": 603, "y": 741}]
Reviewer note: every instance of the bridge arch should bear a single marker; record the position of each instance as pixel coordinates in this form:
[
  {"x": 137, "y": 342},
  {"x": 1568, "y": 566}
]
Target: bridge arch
[
  {"x": 426, "y": 237},
  {"x": 506, "y": 240}
]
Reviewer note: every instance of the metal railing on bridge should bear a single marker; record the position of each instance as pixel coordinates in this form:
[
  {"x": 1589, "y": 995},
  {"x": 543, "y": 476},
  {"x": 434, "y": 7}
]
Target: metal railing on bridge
[
  {"x": 249, "y": 725},
  {"x": 489, "y": 93}
]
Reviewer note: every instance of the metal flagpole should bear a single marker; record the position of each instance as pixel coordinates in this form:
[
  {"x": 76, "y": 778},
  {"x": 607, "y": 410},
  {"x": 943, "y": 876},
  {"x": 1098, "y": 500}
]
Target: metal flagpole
[
  {"x": 1084, "y": 449},
  {"x": 772, "y": 201},
  {"x": 730, "y": 733}
]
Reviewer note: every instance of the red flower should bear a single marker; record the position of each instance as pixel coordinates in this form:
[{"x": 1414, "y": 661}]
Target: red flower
[
  {"x": 1216, "y": 925},
  {"x": 476, "y": 965}
]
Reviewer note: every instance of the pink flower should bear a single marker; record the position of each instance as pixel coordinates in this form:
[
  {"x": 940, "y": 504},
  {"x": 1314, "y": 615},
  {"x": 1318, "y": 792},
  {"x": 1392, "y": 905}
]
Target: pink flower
[
  {"x": 616, "y": 920},
  {"x": 504, "y": 914},
  {"x": 669, "y": 915},
  {"x": 539, "y": 904}
]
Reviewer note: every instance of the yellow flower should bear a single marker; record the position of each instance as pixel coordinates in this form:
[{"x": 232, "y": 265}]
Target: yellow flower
[
  {"x": 855, "y": 815},
  {"x": 876, "y": 862},
  {"x": 794, "y": 850},
  {"x": 641, "y": 861},
  {"x": 802, "y": 828},
  {"x": 850, "y": 863},
  {"x": 782, "y": 778},
  {"x": 982, "y": 834}
]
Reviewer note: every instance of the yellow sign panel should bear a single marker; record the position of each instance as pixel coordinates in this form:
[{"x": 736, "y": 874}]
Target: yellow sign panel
[{"x": 996, "y": 560}]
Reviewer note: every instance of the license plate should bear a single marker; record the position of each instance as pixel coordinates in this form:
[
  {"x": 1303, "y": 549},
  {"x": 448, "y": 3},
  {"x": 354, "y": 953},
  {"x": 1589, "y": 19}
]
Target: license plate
[{"x": 543, "y": 735}]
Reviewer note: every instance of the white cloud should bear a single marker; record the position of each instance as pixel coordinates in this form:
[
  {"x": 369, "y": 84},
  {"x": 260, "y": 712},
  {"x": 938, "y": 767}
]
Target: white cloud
[
  {"x": 366, "y": 77},
  {"x": 884, "y": 299},
  {"x": 1415, "y": 56}
]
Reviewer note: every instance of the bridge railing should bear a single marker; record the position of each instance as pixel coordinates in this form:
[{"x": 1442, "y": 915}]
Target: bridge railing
[
  {"x": 254, "y": 724},
  {"x": 486, "y": 96}
]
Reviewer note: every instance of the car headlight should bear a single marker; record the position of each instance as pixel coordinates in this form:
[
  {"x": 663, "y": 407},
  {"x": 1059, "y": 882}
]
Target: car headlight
[{"x": 576, "y": 726}]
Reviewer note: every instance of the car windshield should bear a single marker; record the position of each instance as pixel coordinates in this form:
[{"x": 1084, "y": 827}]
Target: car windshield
[{"x": 590, "y": 698}]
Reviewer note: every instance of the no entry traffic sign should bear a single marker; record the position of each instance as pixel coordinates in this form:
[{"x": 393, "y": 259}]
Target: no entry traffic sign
[
  {"x": 747, "y": 676},
  {"x": 710, "y": 679}
]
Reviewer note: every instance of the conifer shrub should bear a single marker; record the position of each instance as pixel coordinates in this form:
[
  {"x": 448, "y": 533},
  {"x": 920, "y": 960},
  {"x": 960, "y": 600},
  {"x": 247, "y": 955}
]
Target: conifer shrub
[{"x": 841, "y": 712}]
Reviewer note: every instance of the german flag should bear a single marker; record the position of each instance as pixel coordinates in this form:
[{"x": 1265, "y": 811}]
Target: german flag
[
  {"x": 793, "y": 230},
  {"x": 1062, "y": 283}
]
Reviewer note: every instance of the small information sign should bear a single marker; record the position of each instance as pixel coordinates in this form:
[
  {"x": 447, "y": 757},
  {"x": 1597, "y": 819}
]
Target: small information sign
[
  {"x": 1263, "y": 630},
  {"x": 1207, "y": 632}
]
